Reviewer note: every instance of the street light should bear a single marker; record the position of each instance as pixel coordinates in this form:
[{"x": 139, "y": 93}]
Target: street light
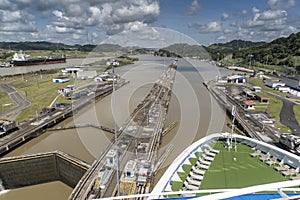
[
  {"x": 115, "y": 128},
  {"x": 250, "y": 55}
]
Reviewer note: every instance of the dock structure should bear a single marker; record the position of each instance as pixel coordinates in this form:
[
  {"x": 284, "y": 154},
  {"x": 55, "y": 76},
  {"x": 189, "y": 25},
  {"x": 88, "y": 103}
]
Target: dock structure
[
  {"x": 36, "y": 127},
  {"x": 41, "y": 168},
  {"x": 134, "y": 152}
]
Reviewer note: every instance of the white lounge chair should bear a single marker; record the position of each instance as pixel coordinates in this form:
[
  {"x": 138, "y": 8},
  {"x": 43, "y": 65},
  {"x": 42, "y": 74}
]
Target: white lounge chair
[
  {"x": 204, "y": 162},
  {"x": 282, "y": 168},
  {"x": 211, "y": 149},
  {"x": 208, "y": 158},
  {"x": 289, "y": 172},
  {"x": 196, "y": 176},
  {"x": 193, "y": 182},
  {"x": 190, "y": 187},
  {"x": 272, "y": 161},
  {"x": 203, "y": 166},
  {"x": 265, "y": 157},
  {"x": 211, "y": 154},
  {"x": 256, "y": 153},
  {"x": 198, "y": 171}
]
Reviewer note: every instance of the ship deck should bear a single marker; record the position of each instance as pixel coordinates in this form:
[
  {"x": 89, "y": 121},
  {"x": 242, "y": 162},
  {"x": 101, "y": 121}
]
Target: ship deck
[
  {"x": 231, "y": 169},
  {"x": 208, "y": 167}
]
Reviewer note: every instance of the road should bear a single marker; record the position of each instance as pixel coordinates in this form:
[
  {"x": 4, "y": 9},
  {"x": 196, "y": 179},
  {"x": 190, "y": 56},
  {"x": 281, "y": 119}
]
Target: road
[
  {"x": 18, "y": 100},
  {"x": 287, "y": 115}
]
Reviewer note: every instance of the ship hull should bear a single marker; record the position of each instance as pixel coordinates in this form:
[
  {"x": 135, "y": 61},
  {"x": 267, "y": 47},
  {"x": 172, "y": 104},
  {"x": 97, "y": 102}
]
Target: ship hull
[{"x": 39, "y": 61}]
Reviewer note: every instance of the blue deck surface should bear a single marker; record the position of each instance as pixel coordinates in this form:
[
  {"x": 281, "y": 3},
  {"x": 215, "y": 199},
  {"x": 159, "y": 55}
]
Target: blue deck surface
[{"x": 247, "y": 197}]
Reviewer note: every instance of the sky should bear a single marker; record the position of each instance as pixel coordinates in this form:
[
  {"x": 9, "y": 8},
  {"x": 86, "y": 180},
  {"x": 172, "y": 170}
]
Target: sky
[{"x": 147, "y": 23}]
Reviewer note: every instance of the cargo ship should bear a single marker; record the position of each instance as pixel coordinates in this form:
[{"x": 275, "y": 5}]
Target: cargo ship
[{"x": 21, "y": 59}]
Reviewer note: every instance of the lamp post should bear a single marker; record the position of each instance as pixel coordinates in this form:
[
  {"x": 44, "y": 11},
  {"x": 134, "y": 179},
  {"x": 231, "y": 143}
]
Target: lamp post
[
  {"x": 115, "y": 129},
  {"x": 250, "y": 55}
]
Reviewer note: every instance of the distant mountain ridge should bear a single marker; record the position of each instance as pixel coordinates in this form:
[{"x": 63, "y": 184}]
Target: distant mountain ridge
[
  {"x": 43, "y": 45},
  {"x": 186, "y": 50},
  {"x": 236, "y": 45},
  {"x": 281, "y": 51}
]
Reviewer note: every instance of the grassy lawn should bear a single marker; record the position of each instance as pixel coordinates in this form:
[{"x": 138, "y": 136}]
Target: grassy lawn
[
  {"x": 224, "y": 172},
  {"x": 274, "y": 107},
  {"x": 296, "y": 109},
  {"x": 40, "y": 92},
  {"x": 260, "y": 107},
  {"x": 233, "y": 170},
  {"x": 275, "y": 104},
  {"x": 282, "y": 128}
]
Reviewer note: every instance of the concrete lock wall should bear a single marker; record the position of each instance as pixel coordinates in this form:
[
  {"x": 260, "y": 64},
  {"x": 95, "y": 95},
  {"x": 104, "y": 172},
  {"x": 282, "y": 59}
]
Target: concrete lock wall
[
  {"x": 68, "y": 172},
  {"x": 37, "y": 169}
]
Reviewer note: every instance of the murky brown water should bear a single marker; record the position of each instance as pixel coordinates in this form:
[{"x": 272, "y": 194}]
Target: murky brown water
[
  {"x": 48, "y": 191},
  {"x": 191, "y": 105}
]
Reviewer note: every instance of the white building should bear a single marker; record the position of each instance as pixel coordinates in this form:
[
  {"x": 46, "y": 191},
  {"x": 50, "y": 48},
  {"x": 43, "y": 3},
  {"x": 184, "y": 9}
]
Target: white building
[
  {"x": 295, "y": 92},
  {"x": 273, "y": 83},
  {"x": 71, "y": 70},
  {"x": 86, "y": 74},
  {"x": 256, "y": 89},
  {"x": 282, "y": 88},
  {"x": 236, "y": 79},
  {"x": 60, "y": 80}
]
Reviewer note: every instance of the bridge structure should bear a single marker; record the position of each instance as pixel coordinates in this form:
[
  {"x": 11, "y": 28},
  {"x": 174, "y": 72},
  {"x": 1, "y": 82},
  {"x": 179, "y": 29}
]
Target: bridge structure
[
  {"x": 134, "y": 153},
  {"x": 110, "y": 130}
]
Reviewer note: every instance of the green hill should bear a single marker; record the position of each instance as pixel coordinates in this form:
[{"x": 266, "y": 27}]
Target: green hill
[
  {"x": 282, "y": 51},
  {"x": 186, "y": 50},
  {"x": 43, "y": 45}
]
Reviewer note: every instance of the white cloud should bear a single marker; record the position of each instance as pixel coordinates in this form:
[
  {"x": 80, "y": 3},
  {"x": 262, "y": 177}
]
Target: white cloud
[
  {"x": 255, "y": 10},
  {"x": 93, "y": 18},
  {"x": 281, "y": 4},
  {"x": 74, "y": 18},
  {"x": 193, "y": 8},
  {"x": 18, "y": 27},
  {"x": 225, "y": 16},
  {"x": 222, "y": 37},
  {"x": 242, "y": 13},
  {"x": 141, "y": 10},
  {"x": 234, "y": 24},
  {"x": 7, "y": 5},
  {"x": 211, "y": 27},
  {"x": 268, "y": 20},
  {"x": 272, "y": 15},
  {"x": 17, "y": 21},
  {"x": 293, "y": 29},
  {"x": 227, "y": 31}
]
